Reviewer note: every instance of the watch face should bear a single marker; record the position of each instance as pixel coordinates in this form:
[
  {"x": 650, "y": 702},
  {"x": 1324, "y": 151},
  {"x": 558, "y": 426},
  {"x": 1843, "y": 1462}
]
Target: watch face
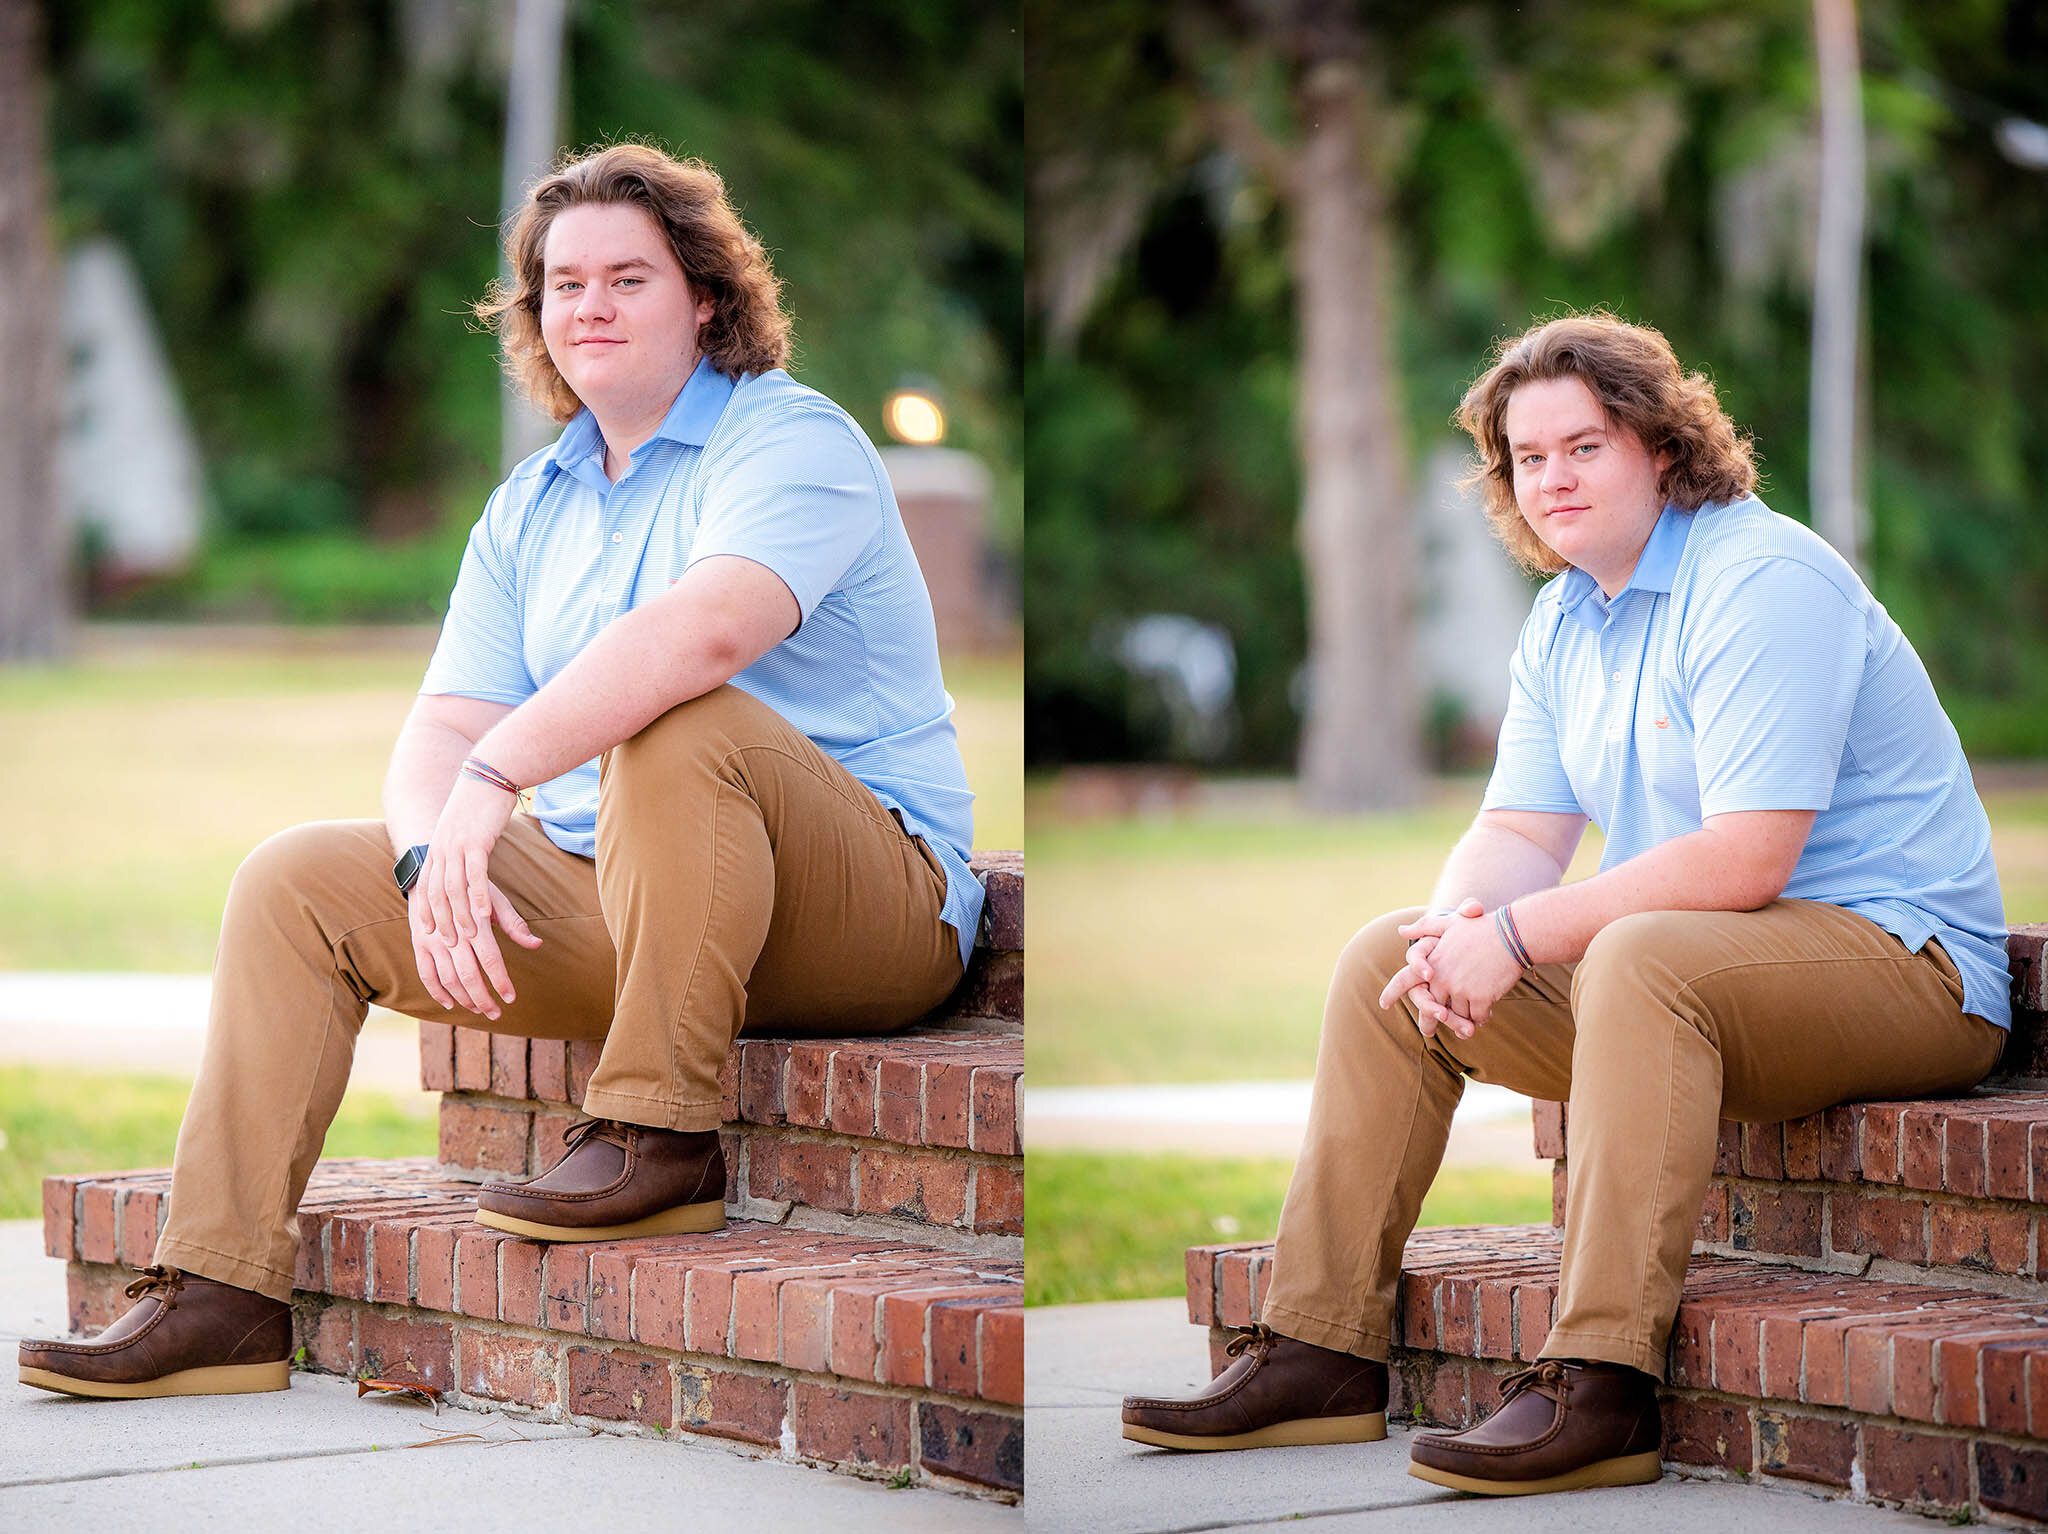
[{"x": 408, "y": 868}]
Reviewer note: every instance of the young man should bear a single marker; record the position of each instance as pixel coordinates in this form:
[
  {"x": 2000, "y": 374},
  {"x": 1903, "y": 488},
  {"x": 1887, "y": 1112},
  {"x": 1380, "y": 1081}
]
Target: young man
[
  {"x": 696, "y": 627},
  {"x": 1796, "y": 907}
]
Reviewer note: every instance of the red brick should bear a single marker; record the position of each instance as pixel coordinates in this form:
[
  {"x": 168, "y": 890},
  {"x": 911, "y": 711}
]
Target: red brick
[
  {"x": 750, "y": 1407},
  {"x": 547, "y": 1069},
  {"x": 1728, "y": 1150},
  {"x": 805, "y": 1084},
  {"x": 1691, "y": 1346},
  {"x": 729, "y": 1088},
  {"x": 899, "y": 1100},
  {"x": 508, "y": 1065},
  {"x": 565, "y": 1287},
  {"x": 761, "y": 1079},
  {"x": 348, "y": 1256},
  {"x": 1533, "y": 1311},
  {"x": 1781, "y": 1347},
  {"x": 1706, "y": 1433},
  {"x": 1867, "y": 1369},
  {"x": 850, "y": 1426},
  {"x": 1882, "y": 1226},
  {"x": 476, "y": 1274},
  {"x": 814, "y": 1173},
  {"x": 97, "y": 1237},
  {"x": 1840, "y": 1160},
  {"x": 2037, "y": 1395},
  {"x": 1920, "y": 1157},
  {"x": 1262, "y": 1279},
  {"x": 1957, "y": 1359},
  {"x": 1548, "y": 1119},
  {"x": 2012, "y": 1480},
  {"x": 141, "y": 1209},
  {"x": 658, "y": 1304},
  {"x": 1802, "y": 1148},
  {"x": 1879, "y": 1159},
  {"x": 949, "y": 1103},
  {"x": 60, "y": 1217},
  {"x": 1981, "y": 1237},
  {"x": 1496, "y": 1307},
  {"x": 520, "y": 1295},
  {"x": 999, "y": 1200},
  {"x": 955, "y": 1327},
  {"x": 852, "y": 1100},
  {"x": 550, "y": 1131},
  {"x": 981, "y": 1446},
  {"x": 1784, "y": 1221},
  {"x": 309, "y": 1262},
  {"x": 856, "y": 1324},
  {"x": 1457, "y": 1302},
  {"x": 618, "y": 1386},
  {"x": 1714, "y": 1222},
  {"x": 434, "y": 1255},
  {"x": 994, "y": 987},
  {"x": 328, "y": 1334},
  {"x": 390, "y": 1279},
  {"x": 995, "y": 1111},
  {"x": 2005, "y": 1155},
  {"x": 583, "y": 1058},
  {"x": 1919, "y": 1468},
  {"x": 920, "y": 1186},
  {"x": 507, "y": 1367},
  {"x": 611, "y": 1291},
  {"x": 437, "y": 1056},
  {"x": 707, "y": 1310},
  {"x": 905, "y": 1348},
  {"x": 483, "y": 1137},
  {"x": 1200, "y": 1265},
  {"x": 1806, "y": 1448},
  {"x": 1002, "y": 1355},
  {"x": 1763, "y": 1151},
  {"x": 1963, "y": 1164},
  {"x": 472, "y": 1060},
  {"x": 2003, "y": 1369},
  {"x": 406, "y": 1348}
]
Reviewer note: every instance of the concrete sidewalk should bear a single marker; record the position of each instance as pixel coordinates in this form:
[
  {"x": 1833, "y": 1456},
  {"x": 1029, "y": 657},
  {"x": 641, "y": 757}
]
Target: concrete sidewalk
[
  {"x": 1082, "y": 1476},
  {"x": 316, "y": 1457}
]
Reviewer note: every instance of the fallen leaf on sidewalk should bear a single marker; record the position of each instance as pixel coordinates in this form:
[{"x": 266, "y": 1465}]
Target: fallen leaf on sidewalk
[{"x": 402, "y": 1389}]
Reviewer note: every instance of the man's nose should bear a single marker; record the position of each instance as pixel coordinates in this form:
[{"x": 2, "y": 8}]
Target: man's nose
[
  {"x": 1557, "y": 473},
  {"x": 594, "y": 304}
]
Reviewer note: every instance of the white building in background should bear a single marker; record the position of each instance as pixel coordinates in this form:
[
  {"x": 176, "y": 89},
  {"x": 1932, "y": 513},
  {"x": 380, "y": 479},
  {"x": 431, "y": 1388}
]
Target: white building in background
[
  {"x": 1474, "y": 598},
  {"x": 127, "y": 466}
]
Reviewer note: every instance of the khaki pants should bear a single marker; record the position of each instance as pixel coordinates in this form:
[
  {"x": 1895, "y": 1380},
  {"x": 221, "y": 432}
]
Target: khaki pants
[
  {"x": 742, "y": 875},
  {"x": 1672, "y": 1021}
]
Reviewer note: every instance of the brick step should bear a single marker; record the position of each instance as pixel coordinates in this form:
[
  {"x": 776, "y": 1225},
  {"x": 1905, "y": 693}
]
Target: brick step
[
  {"x": 1955, "y": 1186},
  {"x": 1923, "y": 1394},
  {"x": 864, "y": 1353},
  {"x": 918, "y": 1132}
]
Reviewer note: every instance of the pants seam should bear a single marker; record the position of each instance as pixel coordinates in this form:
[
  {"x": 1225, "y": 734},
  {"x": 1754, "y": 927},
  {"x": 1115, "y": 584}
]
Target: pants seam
[{"x": 201, "y": 1246}]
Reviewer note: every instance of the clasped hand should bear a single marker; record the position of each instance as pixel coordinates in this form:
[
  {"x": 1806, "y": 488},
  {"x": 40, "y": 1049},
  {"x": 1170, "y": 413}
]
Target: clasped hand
[
  {"x": 1456, "y": 968},
  {"x": 454, "y": 902}
]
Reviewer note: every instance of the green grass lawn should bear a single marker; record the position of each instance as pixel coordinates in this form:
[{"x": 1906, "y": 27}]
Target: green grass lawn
[
  {"x": 62, "y": 1120},
  {"x": 1114, "y": 1227},
  {"x": 153, "y": 767},
  {"x": 1197, "y": 947}
]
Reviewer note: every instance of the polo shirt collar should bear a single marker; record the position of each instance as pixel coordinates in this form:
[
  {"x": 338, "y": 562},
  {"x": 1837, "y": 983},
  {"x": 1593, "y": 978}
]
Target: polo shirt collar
[
  {"x": 1656, "y": 568},
  {"x": 690, "y": 420}
]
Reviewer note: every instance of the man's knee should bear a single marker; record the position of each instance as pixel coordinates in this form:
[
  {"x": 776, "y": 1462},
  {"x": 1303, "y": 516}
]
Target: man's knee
[
  {"x": 1638, "y": 952},
  {"x": 315, "y": 849},
  {"x": 1374, "y": 955},
  {"x": 706, "y": 727}
]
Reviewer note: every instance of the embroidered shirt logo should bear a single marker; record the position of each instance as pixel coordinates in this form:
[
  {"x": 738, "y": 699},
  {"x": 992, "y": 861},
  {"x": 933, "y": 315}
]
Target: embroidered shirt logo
[{"x": 1662, "y": 724}]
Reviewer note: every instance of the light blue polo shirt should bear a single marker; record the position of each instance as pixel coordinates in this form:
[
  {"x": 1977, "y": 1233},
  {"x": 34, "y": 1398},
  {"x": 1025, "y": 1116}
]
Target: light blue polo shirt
[
  {"x": 1745, "y": 667},
  {"x": 758, "y": 466}
]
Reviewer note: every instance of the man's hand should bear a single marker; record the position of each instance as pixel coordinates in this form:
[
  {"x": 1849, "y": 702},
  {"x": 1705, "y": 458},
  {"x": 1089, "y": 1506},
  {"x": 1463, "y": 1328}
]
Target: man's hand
[
  {"x": 458, "y": 894},
  {"x": 1469, "y": 968},
  {"x": 454, "y": 973},
  {"x": 1413, "y": 979}
]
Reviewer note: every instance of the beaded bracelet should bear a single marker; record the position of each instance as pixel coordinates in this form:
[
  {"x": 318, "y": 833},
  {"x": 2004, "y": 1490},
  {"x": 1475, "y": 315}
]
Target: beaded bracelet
[
  {"x": 1504, "y": 924},
  {"x": 476, "y": 767}
]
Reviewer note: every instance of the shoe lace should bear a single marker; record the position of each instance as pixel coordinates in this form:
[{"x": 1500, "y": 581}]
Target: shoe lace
[
  {"x": 154, "y": 1278},
  {"x": 1549, "y": 1377},
  {"x": 1258, "y": 1335},
  {"x": 603, "y": 1129}
]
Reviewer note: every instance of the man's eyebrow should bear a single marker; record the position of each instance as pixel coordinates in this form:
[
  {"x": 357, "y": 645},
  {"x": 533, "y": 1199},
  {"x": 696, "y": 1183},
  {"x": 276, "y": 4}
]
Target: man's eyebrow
[
  {"x": 1583, "y": 431},
  {"x": 616, "y": 266}
]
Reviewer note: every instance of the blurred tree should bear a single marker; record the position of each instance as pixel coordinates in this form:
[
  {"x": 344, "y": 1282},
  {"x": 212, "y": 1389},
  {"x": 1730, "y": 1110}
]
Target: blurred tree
[{"x": 35, "y": 582}]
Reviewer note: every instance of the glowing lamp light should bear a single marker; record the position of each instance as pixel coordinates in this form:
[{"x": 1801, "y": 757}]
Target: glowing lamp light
[{"x": 913, "y": 416}]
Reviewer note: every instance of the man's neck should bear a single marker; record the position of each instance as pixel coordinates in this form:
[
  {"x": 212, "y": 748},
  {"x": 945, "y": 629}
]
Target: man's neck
[{"x": 625, "y": 428}]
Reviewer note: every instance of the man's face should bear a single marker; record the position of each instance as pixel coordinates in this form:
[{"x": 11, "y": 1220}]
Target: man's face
[
  {"x": 618, "y": 316},
  {"x": 1585, "y": 485}
]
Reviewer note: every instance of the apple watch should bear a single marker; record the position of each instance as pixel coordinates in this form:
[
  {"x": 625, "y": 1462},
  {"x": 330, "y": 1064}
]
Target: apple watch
[{"x": 407, "y": 869}]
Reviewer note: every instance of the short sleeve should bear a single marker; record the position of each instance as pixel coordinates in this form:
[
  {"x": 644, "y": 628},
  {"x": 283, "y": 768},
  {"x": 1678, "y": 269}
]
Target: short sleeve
[
  {"x": 479, "y": 654},
  {"x": 800, "y": 495},
  {"x": 1528, "y": 770},
  {"x": 1772, "y": 663}
]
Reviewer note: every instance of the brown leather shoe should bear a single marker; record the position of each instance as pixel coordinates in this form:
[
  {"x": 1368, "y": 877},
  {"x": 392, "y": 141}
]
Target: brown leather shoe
[
  {"x": 184, "y": 1336},
  {"x": 1561, "y": 1426},
  {"x": 1279, "y": 1391},
  {"x": 615, "y": 1180}
]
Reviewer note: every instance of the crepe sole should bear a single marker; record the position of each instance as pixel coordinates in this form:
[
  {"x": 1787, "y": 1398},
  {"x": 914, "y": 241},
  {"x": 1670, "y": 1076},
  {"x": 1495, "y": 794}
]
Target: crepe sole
[
  {"x": 213, "y": 1380},
  {"x": 1366, "y": 1427},
  {"x": 1627, "y": 1470},
  {"x": 683, "y": 1220}
]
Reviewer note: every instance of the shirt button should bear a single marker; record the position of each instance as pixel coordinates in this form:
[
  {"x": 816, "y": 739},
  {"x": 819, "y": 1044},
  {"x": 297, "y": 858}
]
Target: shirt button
[
  {"x": 1617, "y": 675},
  {"x": 621, "y": 538}
]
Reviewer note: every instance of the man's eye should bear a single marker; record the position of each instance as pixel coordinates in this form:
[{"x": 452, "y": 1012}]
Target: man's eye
[
  {"x": 1584, "y": 447},
  {"x": 563, "y": 287},
  {"x": 1533, "y": 459},
  {"x": 633, "y": 281}
]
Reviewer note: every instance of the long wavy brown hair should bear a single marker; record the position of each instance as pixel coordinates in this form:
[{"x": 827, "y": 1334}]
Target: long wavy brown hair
[
  {"x": 747, "y": 332},
  {"x": 1633, "y": 373}
]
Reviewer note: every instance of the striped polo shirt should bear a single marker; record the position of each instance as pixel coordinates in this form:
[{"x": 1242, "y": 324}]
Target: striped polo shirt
[
  {"x": 1745, "y": 667},
  {"x": 757, "y": 466}
]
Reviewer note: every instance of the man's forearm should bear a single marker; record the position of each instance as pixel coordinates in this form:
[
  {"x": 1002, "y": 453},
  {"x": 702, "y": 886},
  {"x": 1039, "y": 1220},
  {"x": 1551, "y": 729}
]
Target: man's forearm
[
  {"x": 424, "y": 764},
  {"x": 1493, "y": 865}
]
